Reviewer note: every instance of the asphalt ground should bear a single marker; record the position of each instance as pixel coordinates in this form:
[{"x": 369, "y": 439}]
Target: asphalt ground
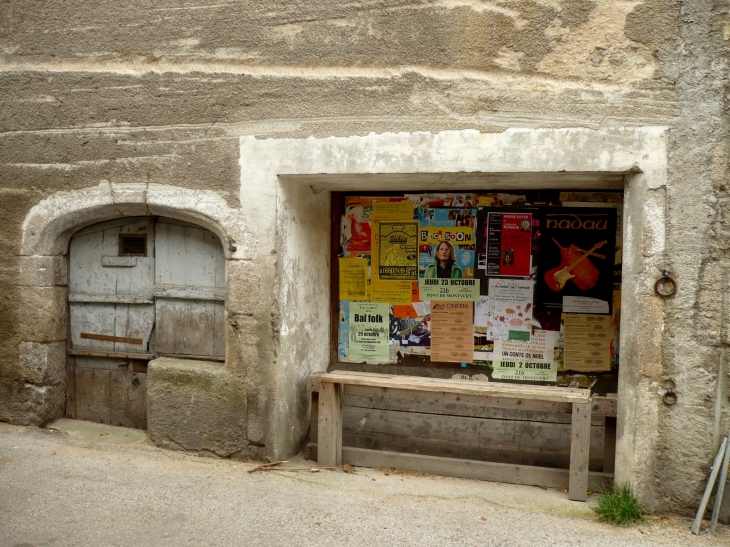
[{"x": 89, "y": 484}]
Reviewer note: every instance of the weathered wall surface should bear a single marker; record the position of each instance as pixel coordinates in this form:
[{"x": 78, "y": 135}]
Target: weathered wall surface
[{"x": 159, "y": 93}]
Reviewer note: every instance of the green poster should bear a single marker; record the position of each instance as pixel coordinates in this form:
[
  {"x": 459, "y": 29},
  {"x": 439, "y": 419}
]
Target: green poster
[{"x": 369, "y": 328}]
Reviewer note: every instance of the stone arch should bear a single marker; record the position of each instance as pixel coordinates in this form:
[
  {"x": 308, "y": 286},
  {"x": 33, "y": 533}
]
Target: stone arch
[
  {"x": 49, "y": 225},
  {"x": 46, "y": 233}
]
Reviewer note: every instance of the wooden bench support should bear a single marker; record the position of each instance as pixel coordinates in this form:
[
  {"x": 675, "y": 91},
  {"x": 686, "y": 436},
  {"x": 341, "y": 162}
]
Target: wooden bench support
[
  {"x": 579, "y": 447},
  {"x": 329, "y": 436},
  {"x": 330, "y": 421},
  {"x": 528, "y": 475}
]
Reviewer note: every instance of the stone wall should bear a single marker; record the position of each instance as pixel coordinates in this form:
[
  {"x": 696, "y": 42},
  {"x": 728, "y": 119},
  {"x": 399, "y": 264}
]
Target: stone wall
[{"x": 159, "y": 95}]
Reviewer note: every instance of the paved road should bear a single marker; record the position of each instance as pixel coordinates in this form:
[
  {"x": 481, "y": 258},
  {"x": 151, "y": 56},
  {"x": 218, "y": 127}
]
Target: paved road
[{"x": 83, "y": 488}]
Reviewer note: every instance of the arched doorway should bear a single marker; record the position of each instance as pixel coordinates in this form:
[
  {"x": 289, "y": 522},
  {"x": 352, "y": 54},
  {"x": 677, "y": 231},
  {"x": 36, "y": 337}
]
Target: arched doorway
[{"x": 139, "y": 287}]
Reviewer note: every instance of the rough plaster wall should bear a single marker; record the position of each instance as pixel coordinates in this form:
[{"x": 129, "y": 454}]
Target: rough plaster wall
[
  {"x": 695, "y": 60},
  {"x": 159, "y": 92},
  {"x": 302, "y": 323}
]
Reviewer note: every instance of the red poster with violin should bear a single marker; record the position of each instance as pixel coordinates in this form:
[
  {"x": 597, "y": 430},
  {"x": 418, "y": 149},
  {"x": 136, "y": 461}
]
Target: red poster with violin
[{"x": 575, "y": 260}]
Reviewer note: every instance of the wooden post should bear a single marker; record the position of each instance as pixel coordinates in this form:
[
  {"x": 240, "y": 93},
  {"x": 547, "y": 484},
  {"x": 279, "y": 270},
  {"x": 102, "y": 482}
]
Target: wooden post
[
  {"x": 580, "y": 442},
  {"x": 329, "y": 438}
]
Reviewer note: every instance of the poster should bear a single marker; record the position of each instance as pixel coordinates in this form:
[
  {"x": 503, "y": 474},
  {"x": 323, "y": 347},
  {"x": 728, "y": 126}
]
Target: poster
[
  {"x": 414, "y": 308},
  {"x": 449, "y": 289},
  {"x": 446, "y": 246},
  {"x": 412, "y": 334},
  {"x": 397, "y": 250},
  {"x": 369, "y": 324},
  {"x": 509, "y": 244},
  {"x": 353, "y": 278},
  {"x": 392, "y": 210},
  {"x": 584, "y": 304},
  {"x": 509, "y": 308},
  {"x": 576, "y": 257},
  {"x": 442, "y": 200},
  {"x": 392, "y": 292},
  {"x": 452, "y": 338},
  {"x": 587, "y": 342},
  {"x": 386, "y": 290},
  {"x": 481, "y": 310},
  {"x": 528, "y": 361},
  {"x": 355, "y": 230},
  {"x": 526, "y": 249},
  {"x": 343, "y": 332}
]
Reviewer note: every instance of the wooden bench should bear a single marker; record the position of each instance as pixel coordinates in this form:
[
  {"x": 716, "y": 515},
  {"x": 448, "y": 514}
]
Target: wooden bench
[{"x": 331, "y": 390}]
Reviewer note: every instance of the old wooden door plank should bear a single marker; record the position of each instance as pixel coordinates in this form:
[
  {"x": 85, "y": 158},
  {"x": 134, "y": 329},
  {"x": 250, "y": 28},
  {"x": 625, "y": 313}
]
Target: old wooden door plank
[
  {"x": 93, "y": 395},
  {"x": 86, "y": 276},
  {"x": 140, "y": 322},
  {"x": 190, "y": 293},
  {"x": 193, "y": 340},
  {"x": 219, "y": 329},
  {"x": 71, "y": 387},
  {"x": 129, "y": 399},
  {"x": 199, "y": 258},
  {"x": 112, "y": 298},
  {"x": 89, "y": 317},
  {"x": 101, "y": 362},
  {"x": 170, "y": 254}
]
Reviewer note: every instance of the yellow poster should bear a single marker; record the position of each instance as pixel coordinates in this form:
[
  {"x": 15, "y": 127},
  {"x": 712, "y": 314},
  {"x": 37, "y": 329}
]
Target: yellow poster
[
  {"x": 392, "y": 210},
  {"x": 397, "y": 250},
  {"x": 353, "y": 278},
  {"x": 587, "y": 342},
  {"x": 382, "y": 290}
]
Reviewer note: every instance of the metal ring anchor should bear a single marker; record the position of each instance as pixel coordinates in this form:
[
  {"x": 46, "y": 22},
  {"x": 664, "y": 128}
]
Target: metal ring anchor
[
  {"x": 670, "y": 397},
  {"x": 666, "y": 285}
]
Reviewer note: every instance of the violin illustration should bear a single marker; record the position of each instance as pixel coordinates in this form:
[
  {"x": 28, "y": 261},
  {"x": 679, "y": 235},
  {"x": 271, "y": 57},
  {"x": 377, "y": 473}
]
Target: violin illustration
[{"x": 573, "y": 265}]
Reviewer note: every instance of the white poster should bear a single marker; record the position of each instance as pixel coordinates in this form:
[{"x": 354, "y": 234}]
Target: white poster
[
  {"x": 533, "y": 360},
  {"x": 481, "y": 310},
  {"x": 584, "y": 304},
  {"x": 509, "y": 308}
]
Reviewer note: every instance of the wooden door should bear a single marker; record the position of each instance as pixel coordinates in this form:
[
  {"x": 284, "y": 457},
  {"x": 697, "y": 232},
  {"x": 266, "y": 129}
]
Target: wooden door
[
  {"x": 139, "y": 288},
  {"x": 189, "y": 291},
  {"x": 112, "y": 315}
]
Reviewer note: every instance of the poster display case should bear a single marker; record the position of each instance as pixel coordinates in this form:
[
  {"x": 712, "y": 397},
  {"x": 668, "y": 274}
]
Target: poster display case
[{"x": 523, "y": 286}]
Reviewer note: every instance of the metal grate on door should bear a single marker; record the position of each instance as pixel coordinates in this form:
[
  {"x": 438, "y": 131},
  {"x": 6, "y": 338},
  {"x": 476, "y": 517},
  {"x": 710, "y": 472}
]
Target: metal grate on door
[{"x": 132, "y": 245}]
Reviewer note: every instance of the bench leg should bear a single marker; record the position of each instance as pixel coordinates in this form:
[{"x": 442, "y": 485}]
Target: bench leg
[
  {"x": 580, "y": 442},
  {"x": 329, "y": 434}
]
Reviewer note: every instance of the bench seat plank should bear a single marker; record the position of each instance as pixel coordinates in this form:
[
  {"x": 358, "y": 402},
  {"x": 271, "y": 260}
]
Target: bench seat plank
[{"x": 466, "y": 387}]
